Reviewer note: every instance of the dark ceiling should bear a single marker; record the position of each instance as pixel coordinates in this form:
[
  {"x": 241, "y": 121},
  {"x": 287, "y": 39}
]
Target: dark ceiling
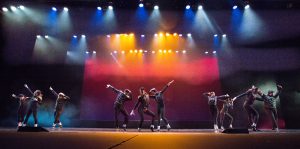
[{"x": 167, "y": 4}]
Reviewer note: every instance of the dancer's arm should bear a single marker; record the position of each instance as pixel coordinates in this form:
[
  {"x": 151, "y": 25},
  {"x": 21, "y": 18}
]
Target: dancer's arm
[
  {"x": 26, "y": 86},
  {"x": 241, "y": 95},
  {"x": 279, "y": 89},
  {"x": 165, "y": 88},
  {"x": 53, "y": 91},
  {"x": 114, "y": 89}
]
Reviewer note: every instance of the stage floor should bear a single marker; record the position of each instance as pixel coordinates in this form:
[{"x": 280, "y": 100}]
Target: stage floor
[{"x": 98, "y": 138}]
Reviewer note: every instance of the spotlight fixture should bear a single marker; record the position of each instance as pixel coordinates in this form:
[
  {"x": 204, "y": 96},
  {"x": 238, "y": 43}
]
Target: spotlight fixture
[
  {"x": 74, "y": 36},
  {"x": 187, "y": 7},
  {"x": 54, "y": 9},
  {"x": 4, "y": 9},
  {"x": 200, "y": 7},
  {"x": 184, "y": 51},
  {"x": 206, "y": 52},
  {"x": 108, "y": 36},
  {"x": 110, "y": 7},
  {"x": 83, "y": 36},
  {"x": 189, "y": 35},
  {"x": 224, "y": 35},
  {"x": 13, "y": 8},
  {"x": 66, "y": 9},
  {"x": 38, "y": 36},
  {"x": 94, "y": 52},
  {"x": 141, "y": 51},
  {"x": 174, "y": 34},
  {"x": 214, "y": 52},
  {"x": 155, "y": 35},
  {"x": 141, "y": 5},
  {"x": 99, "y": 8},
  {"x": 180, "y": 35},
  {"x": 115, "y": 52},
  {"x": 247, "y": 6},
  {"x": 142, "y": 35},
  {"x": 21, "y": 7},
  {"x": 46, "y": 36},
  {"x": 153, "y": 52},
  {"x": 123, "y": 52},
  {"x": 215, "y": 35},
  {"x": 156, "y": 7},
  {"x": 234, "y": 7},
  {"x": 87, "y": 52}
]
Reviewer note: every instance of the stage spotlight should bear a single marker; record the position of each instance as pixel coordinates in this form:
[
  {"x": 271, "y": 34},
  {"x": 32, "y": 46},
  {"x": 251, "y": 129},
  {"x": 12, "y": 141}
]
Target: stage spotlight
[
  {"x": 46, "y": 36},
  {"x": 174, "y": 34},
  {"x": 215, "y": 35},
  {"x": 161, "y": 34},
  {"x": 214, "y": 52},
  {"x": 224, "y": 35},
  {"x": 66, "y": 9},
  {"x": 177, "y": 51},
  {"x": 184, "y": 51},
  {"x": 159, "y": 51},
  {"x": 180, "y": 35},
  {"x": 54, "y": 9},
  {"x": 141, "y": 51},
  {"x": 110, "y": 7},
  {"x": 131, "y": 34},
  {"x": 117, "y": 35},
  {"x": 74, "y": 36},
  {"x": 135, "y": 51},
  {"x": 13, "y": 8},
  {"x": 206, "y": 52},
  {"x": 165, "y": 51},
  {"x": 108, "y": 36},
  {"x": 141, "y": 5},
  {"x": 167, "y": 34},
  {"x": 153, "y": 52},
  {"x": 247, "y": 6},
  {"x": 4, "y": 9},
  {"x": 200, "y": 7},
  {"x": 143, "y": 36},
  {"x": 123, "y": 52},
  {"x": 94, "y": 52},
  {"x": 187, "y": 7},
  {"x": 131, "y": 51},
  {"x": 146, "y": 51},
  {"x": 234, "y": 7},
  {"x": 155, "y": 35},
  {"x": 99, "y": 8},
  {"x": 189, "y": 35},
  {"x": 22, "y": 7},
  {"x": 83, "y": 36},
  {"x": 156, "y": 7},
  {"x": 170, "y": 51},
  {"x": 115, "y": 52},
  {"x": 38, "y": 36},
  {"x": 87, "y": 52}
]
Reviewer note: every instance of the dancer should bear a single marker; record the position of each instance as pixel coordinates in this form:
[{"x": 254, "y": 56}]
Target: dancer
[
  {"x": 270, "y": 105},
  {"x": 143, "y": 107},
  {"x": 158, "y": 96},
  {"x": 227, "y": 104},
  {"x": 119, "y": 105},
  {"x": 253, "y": 115},
  {"x": 33, "y": 105},
  {"x": 23, "y": 101},
  {"x": 60, "y": 102},
  {"x": 212, "y": 102}
]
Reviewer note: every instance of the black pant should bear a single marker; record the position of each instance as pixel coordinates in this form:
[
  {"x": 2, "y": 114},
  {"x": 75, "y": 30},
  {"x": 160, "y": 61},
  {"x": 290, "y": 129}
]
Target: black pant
[
  {"x": 57, "y": 115},
  {"x": 272, "y": 112},
  {"x": 252, "y": 113},
  {"x": 30, "y": 111},
  {"x": 222, "y": 117},
  {"x": 21, "y": 114},
  {"x": 148, "y": 112},
  {"x": 215, "y": 113},
  {"x": 119, "y": 108},
  {"x": 161, "y": 115}
]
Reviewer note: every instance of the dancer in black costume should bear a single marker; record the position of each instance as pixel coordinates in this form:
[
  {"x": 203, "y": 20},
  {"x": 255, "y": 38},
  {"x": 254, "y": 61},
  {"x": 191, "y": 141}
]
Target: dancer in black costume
[{"x": 23, "y": 104}]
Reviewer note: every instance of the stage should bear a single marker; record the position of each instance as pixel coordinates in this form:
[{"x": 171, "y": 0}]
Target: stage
[{"x": 176, "y": 138}]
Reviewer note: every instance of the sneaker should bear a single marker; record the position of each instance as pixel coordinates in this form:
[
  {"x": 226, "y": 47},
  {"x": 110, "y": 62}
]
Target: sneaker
[
  {"x": 124, "y": 127},
  {"x": 53, "y": 125},
  {"x": 222, "y": 127},
  {"x": 60, "y": 125},
  {"x": 276, "y": 129},
  {"x": 19, "y": 124},
  {"x": 139, "y": 129},
  {"x": 158, "y": 128},
  {"x": 230, "y": 126},
  {"x": 168, "y": 127},
  {"x": 35, "y": 125},
  {"x": 216, "y": 127},
  {"x": 152, "y": 128},
  {"x": 24, "y": 125}
]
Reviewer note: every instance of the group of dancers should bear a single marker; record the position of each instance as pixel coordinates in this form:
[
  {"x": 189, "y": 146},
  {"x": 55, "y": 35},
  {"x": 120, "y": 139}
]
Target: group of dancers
[
  {"x": 142, "y": 104},
  {"x": 251, "y": 94},
  {"x": 29, "y": 105}
]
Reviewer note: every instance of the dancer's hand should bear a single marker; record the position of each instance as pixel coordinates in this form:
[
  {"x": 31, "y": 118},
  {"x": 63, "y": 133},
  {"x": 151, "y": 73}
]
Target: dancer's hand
[
  {"x": 13, "y": 95},
  {"x": 279, "y": 87},
  {"x": 51, "y": 88},
  {"x": 132, "y": 113},
  {"x": 108, "y": 86},
  {"x": 226, "y": 95},
  {"x": 170, "y": 82},
  {"x": 233, "y": 99},
  {"x": 25, "y": 85}
]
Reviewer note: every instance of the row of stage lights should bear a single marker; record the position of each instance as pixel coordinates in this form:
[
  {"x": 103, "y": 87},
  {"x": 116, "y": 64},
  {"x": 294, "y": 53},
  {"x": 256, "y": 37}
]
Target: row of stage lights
[
  {"x": 142, "y": 35},
  {"x": 141, "y": 5},
  {"x": 152, "y": 52}
]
